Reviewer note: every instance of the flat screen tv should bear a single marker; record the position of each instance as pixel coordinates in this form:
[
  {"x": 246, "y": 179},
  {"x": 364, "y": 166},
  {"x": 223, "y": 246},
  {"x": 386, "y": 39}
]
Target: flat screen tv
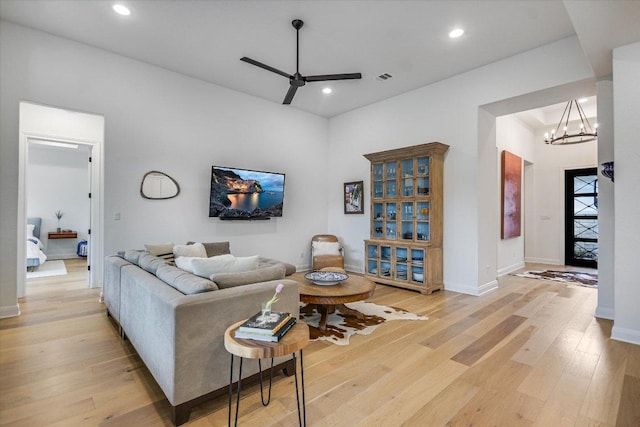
[{"x": 245, "y": 194}]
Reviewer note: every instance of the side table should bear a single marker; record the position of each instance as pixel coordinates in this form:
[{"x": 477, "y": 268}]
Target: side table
[{"x": 293, "y": 341}]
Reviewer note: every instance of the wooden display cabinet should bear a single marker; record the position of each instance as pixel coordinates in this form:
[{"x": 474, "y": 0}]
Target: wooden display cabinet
[{"x": 405, "y": 244}]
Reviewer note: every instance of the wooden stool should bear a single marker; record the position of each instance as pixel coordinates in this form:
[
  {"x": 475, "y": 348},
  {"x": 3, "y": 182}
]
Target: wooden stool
[{"x": 293, "y": 341}]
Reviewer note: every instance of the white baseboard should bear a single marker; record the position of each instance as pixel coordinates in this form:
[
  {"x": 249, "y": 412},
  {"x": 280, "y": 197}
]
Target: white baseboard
[
  {"x": 605, "y": 313},
  {"x": 471, "y": 290},
  {"x": 10, "y": 311},
  {"x": 509, "y": 269},
  {"x": 632, "y": 336},
  {"x": 544, "y": 261}
]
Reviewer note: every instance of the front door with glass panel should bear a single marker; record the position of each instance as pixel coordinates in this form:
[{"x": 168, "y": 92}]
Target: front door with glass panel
[{"x": 581, "y": 217}]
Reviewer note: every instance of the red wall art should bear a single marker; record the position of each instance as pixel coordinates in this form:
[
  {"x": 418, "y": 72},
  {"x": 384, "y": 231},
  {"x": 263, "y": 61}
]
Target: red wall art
[{"x": 511, "y": 180}]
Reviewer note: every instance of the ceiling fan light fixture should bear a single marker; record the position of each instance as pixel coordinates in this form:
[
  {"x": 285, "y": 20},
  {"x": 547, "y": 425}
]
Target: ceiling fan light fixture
[{"x": 298, "y": 80}]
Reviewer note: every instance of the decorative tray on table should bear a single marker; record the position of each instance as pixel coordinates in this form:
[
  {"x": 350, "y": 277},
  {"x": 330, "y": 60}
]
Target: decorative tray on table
[{"x": 326, "y": 278}]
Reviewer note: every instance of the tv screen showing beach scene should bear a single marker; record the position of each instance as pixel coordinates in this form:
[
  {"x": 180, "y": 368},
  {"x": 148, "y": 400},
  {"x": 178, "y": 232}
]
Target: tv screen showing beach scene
[{"x": 245, "y": 194}]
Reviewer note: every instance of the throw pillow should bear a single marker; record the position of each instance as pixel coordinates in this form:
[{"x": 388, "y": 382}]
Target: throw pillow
[
  {"x": 215, "y": 248},
  {"x": 184, "y": 282},
  {"x": 184, "y": 263},
  {"x": 229, "y": 280},
  {"x": 195, "y": 250},
  {"x": 325, "y": 248},
  {"x": 30, "y": 228},
  {"x": 163, "y": 250},
  {"x": 205, "y": 267}
]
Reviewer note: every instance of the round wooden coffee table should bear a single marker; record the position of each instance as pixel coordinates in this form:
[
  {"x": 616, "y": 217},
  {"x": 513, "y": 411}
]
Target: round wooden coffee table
[{"x": 327, "y": 298}]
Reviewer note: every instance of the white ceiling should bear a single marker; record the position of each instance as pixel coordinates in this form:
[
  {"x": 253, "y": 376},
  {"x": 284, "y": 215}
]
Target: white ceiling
[{"x": 407, "y": 39}]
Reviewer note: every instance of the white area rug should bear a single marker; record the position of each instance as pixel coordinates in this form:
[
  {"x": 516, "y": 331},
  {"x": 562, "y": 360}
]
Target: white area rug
[
  {"x": 341, "y": 326},
  {"x": 48, "y": 269},
  {"x": 579, "y": 278}
]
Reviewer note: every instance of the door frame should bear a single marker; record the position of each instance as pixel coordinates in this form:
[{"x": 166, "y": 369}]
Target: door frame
[
  {"x": 62, "y": 125},
  {"x": 569, "y": 175}
]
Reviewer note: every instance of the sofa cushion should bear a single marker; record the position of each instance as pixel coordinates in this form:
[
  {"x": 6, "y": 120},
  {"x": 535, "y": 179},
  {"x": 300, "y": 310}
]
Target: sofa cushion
[
  {"x": 150, "y": 263},
  {"x": 132, "y": 255},
  {"x": 215, "y": 248},
  {"x": 269, "y": 262},
  {"x": 205, "y": 267},
  {"x": 230, "y": 280},
  {"x": 184, "y": 263},
  {"x": 184, "y": 282},
  {"x": 195, "y": 250},
  {"x": 163, "y": 250}
]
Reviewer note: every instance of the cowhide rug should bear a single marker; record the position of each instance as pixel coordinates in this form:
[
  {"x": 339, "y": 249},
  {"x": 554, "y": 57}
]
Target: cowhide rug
[
  {"x": 341, "y": 326},
  {"x": 573, "y": 277}
]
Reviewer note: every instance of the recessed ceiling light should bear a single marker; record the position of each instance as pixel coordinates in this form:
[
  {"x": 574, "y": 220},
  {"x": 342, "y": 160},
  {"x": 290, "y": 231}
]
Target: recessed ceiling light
[
  {"x": 582, "y": 100},
  {"x": 326, "y": 90},
  {"x": 454, "y": 34},
  {"x": 121, "y": 10}
]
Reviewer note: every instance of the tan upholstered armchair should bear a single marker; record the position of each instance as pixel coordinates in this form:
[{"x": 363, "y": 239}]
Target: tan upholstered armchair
[{"x": 326, "y": 251}]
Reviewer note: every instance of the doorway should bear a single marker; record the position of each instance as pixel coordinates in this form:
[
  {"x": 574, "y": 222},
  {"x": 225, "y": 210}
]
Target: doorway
[
  {"x": 581, "y": 217},
  {"x": 39, "y": 122},
  {"x": 58, "y": 187}
]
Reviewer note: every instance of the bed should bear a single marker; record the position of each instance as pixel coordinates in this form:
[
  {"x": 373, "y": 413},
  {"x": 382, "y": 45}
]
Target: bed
[{"x": 35, "y": 256}]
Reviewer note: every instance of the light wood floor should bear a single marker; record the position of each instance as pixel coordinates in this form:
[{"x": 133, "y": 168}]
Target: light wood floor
[{"x": 530, "y": 353}]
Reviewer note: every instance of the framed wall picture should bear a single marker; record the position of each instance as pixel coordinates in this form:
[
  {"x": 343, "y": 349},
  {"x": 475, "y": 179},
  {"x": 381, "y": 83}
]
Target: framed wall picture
[
  {"x": 511, "y": 180},
  {"x": 354, "y": 197}
]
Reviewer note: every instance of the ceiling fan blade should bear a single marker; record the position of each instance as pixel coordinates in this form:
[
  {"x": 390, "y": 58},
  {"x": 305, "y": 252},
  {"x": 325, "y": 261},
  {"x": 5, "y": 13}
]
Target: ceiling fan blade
[
  {"x": 326, "y": 77},
  {"x": 265, "y": 66},
  {"x": 289, "y": 96}
]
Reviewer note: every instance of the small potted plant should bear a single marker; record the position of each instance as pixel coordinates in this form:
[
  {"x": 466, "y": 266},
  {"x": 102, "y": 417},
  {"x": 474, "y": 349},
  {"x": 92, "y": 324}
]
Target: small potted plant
[{"x": 58, "y": 215}]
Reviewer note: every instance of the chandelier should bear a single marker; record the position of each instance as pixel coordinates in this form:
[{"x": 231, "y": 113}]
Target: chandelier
[{"x": 584, "y": 133}]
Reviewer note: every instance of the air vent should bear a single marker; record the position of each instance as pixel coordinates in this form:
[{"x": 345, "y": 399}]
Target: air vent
[{"x": 383, "y": 77}]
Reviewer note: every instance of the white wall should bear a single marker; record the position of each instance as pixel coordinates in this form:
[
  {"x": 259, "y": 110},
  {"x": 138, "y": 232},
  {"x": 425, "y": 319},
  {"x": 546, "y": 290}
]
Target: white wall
[
  {"x": 516, "y": 137},
  {"x": 547, "y": 213},
  {"x": 159, "y": 120},
  {"x": 58, "y": 179},
  {"x": 447, "y": 111},
  {"x": 626, "y": 105},
  {"x": 606, "y": 218}
]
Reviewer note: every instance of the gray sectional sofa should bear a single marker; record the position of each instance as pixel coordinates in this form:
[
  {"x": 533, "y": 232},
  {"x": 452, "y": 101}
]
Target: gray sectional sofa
[{"x": 176, "y": 321}]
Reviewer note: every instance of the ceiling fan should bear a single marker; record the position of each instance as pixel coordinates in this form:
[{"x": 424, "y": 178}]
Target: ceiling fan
[{"x": 298, "y": 80}]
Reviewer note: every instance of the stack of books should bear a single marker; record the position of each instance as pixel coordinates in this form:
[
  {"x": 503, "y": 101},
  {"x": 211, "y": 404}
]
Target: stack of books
[{"x": 271, "y": 329}]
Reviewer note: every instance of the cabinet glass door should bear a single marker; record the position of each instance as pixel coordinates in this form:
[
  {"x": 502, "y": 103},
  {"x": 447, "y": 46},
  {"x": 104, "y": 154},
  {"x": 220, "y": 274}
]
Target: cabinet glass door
[
  {"x": 401, "y": 263},
  {"x": 423, "y": 166},
  {"x": 391, "y": 189},
  {"x": 422, "y": 221},
  {"x": 391, "y": 173},
  {"x": 378, "y": 183},
  {"x": 417, "y": 265},
  {"x": 377, "y": 190},
  {"x": 372, "y": 259},
  {"x": 391, "y": 212},
  {"x": 385, "y": 261},
  {"x": 422, "y": 177},
  {"x": 407, "y": 178},
  {"x": 377, "y": 230},
  {"x": 391, "y": 170},
  {"x": 407, "y": 221}
]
